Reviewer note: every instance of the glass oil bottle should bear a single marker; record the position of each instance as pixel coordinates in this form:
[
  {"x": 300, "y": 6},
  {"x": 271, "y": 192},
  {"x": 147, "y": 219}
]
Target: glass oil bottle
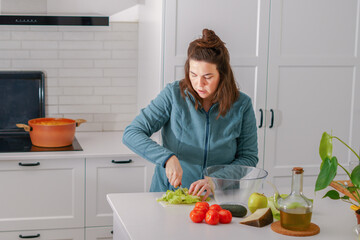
[{"x": 295, "y": 209}]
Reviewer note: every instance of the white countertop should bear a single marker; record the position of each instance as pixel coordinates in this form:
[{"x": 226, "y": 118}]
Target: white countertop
[
  {"x": 94, "y": 144},
  {"x": 142, "y": 217}
]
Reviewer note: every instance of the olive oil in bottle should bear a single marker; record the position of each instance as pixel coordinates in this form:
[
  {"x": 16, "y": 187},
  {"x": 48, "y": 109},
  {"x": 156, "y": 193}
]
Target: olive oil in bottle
[
  {"x": 295, "y": 209},
  {"x": 295, "y": 221}
]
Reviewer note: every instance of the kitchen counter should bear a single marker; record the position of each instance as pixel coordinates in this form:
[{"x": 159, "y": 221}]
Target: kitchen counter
[
  {"x": 139, "y": 216},
  {"x": 94, "y": 144}
]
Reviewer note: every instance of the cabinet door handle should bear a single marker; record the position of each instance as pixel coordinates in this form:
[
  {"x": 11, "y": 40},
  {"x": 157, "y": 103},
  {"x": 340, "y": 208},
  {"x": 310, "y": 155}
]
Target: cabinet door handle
[
  {"x": 29, "y": 164},
  {"x": 261, "y": 118},
  {"x": 112, "y": 232},
  {"x": 272, "y": 118},
  {"x": 30, "y": 236},
  {"x": 121, "y": 162}
]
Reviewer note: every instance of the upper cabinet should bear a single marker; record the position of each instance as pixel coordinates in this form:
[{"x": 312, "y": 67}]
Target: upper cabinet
[
  {"x": 296, "y": 59},
  {"x": 313, "y": 83}
]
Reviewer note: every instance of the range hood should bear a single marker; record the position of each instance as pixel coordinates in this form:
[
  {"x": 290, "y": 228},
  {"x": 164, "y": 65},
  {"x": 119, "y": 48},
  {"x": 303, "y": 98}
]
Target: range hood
[
  {"x": 50, "y": 12},
  {"x": 54, "y": 19}
]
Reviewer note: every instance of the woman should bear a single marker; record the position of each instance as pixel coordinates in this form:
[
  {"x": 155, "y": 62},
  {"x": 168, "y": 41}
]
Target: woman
[{"x": 204, "y": 118}]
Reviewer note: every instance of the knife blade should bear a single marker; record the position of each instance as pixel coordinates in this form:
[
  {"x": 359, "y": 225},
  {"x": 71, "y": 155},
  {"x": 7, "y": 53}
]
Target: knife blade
[{"x": 181, "y": 189}]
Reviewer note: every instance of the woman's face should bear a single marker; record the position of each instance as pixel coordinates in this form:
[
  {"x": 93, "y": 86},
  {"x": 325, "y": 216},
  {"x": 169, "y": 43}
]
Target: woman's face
[{"x": 204, "y": 78}]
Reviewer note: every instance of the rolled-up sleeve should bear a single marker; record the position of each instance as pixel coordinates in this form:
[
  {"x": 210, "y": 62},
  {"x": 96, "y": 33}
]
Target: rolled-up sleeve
[{"x": 150, "y": 120}]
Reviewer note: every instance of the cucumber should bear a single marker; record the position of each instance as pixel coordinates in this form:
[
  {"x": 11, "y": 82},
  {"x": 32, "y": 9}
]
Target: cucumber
[{"x": 236, "y": 210}]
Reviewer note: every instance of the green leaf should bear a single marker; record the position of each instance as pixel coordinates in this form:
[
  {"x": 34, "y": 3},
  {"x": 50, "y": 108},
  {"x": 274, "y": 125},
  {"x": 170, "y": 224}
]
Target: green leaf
[
  {"x": 345, "y": 197},
  {"x": 327, "y": 173},
  {"x": 326, "y": 146},
  {"x": 351, "y": 189},
  {"x": 332, "y": 194},
  {"x": 355, "y": 176}
]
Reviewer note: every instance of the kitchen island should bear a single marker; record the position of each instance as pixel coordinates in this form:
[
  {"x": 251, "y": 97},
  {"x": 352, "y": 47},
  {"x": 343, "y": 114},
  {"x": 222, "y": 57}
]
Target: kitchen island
[{"x": 139, "y": 216}]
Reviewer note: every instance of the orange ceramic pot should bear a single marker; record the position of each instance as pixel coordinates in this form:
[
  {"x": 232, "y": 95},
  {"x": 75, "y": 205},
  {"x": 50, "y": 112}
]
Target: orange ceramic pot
[{"x": 51, "y": 132}]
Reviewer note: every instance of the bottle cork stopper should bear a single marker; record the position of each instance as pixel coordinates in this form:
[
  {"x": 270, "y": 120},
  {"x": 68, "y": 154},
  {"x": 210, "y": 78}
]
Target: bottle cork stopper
[{"x": 298, "y": 170}]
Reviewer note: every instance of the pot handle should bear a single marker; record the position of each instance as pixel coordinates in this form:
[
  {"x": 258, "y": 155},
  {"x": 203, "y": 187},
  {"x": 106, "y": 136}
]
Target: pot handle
[
  {"x": 24, "y": 126},
  {"x": 79, "y": 121}
]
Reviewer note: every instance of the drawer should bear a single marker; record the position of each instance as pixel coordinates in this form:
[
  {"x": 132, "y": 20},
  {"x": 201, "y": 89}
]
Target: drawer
[{"x": 58, "y": 234}]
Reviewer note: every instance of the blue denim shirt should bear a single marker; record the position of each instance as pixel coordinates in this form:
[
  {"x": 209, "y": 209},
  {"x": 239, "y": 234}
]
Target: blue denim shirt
[{"x": 196, "y": 137}]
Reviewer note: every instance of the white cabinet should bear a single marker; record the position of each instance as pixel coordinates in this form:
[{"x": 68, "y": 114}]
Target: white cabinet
[
  {"x": 297, "y": 59},
  {"x": 99, "y": 233},
  {"x": 58, "y": 234},
  {"x": 62, "y": 195},
  {"x": 49, "y": 194},
  {"x": 313, "y": 83},
  {"x": 41, "y": 194},
  {"x": 113, "y": 175}
]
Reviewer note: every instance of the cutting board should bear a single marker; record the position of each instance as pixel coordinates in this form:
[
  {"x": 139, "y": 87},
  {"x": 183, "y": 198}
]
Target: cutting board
[{"x": 339, "y": 185}]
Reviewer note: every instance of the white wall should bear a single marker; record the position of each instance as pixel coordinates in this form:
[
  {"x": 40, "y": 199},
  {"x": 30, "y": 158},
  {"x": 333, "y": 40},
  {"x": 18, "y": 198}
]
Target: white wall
[
  {"x": 103, "y": 7},
  {"x": 91, "y": 72},
  {"x": 150, "y": 50}
]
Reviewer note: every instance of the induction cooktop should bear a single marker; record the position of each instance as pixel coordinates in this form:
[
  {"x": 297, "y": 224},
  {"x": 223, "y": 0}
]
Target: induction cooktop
[{"x": 22, "y": 143}]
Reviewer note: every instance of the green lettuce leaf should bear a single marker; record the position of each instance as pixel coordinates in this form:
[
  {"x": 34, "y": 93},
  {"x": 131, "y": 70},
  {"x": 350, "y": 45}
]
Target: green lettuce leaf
[{"x": 178, "y": 197}]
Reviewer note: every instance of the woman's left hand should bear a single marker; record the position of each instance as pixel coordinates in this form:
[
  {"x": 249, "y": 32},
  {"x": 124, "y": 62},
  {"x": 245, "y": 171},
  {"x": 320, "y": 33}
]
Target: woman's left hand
[{"x": 198, "y": 187}]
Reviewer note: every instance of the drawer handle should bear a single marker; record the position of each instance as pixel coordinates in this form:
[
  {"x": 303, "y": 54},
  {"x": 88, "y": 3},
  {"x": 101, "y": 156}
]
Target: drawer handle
[
  {"x": 30, "y": 236},
  {"x": 29, "y": 164},
  {"x": 112, "y": 232},
  {"x": 121, "y": 162}
]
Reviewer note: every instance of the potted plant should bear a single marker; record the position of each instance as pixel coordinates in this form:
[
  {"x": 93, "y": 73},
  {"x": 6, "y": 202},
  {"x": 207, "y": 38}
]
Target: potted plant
[{"x": 350, "y": 190}]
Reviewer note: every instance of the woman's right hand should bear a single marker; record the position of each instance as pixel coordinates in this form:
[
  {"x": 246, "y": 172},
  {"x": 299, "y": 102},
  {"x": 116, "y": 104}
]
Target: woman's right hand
[{"x": 173, "y": 171}]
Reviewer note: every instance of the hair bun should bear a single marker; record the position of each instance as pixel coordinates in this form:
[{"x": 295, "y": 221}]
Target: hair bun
[{"x": 210, "y": 39}]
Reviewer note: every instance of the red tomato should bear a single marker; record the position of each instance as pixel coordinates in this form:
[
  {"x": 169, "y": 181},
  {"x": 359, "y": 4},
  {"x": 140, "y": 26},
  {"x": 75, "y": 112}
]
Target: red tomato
[
  {"x": 215, "y": 207},
  {"x": 203, "y": 204},
  {"x": 201, "y": 208},
  {"x": 212, "y": 217},
  {"x": 197, "y": 216},
  {"x": 225, "y": 216}
]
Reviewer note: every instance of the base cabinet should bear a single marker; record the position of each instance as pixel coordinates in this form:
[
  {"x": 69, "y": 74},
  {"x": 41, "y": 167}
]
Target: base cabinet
[
  {"x": 66, "y": 198},
  {"x": 113, "y": 175},
  {"x": 42, "y": 194},
  {"x": 58, "y": 234},
  {"x": 99, "y": 233}
]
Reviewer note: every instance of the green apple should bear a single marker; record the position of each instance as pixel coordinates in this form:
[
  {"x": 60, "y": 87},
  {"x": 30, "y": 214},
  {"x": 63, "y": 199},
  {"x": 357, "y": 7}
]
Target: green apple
[
  {"x": 275, "y": 212},
  {"x": 256, "y": 201}
]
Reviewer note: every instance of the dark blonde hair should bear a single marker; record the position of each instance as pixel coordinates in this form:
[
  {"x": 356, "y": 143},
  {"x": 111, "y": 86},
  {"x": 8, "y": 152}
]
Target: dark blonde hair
[{"x": 209, "y": 48}]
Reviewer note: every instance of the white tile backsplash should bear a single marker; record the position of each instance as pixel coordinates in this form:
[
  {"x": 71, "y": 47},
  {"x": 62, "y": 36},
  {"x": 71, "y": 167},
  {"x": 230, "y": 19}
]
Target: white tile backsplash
[
  {"x": 10, "y": 45},
  {"x": 84, "y": 54},
  {"x": 36, "y": 35},
  {"x": 5, "y": 63},
  {"x": 14, "y": 54},
  {"x": 91, "y": 72},
  {"x": 41, "y": 45},
  {"x": 44, "y": 54}
]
